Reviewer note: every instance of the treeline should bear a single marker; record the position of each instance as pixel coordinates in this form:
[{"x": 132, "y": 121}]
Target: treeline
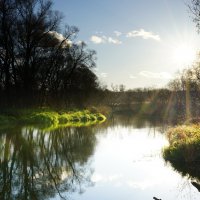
[
  {"x": 38, "y": 65},
  {"x": 180, "y": 98},
  {"x": 147, "y": 101},
  {"x": 186, "y": 90}
]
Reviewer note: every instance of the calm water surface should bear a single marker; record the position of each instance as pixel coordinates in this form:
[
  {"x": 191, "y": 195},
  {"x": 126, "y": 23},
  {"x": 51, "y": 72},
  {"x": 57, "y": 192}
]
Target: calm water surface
[{"x": 120, "y": 159}]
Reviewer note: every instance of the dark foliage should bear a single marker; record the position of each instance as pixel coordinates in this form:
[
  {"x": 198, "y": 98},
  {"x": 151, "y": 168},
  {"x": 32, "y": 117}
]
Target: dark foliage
[{"x": 37, "y": 63}]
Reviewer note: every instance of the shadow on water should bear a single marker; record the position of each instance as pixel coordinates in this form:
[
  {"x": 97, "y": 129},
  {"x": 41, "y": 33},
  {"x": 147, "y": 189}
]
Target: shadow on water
[
  {"x": 188, "y": 169},
  {"x": 38, "y": 165}
]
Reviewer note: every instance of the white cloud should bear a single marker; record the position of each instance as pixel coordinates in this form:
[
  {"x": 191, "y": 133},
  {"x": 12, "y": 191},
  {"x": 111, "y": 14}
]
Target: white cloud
[
  {"x": 114, "y": 41},
  {"x": 101, "y": 75},
  {"x": 57, "y": 38},
  {"x": 156, "y": 75},
  {"x": 80, "y": 42},
  {"x": 69, "y": 42},
  {"x": 132, "y": 77},
  {"x": 103, "y": 39},
  {"x": 117, "y": 33},
  {"x": 57, "y": 35},
  {"x": 97, "y": 40},
  {"x": 144, "y": 34}
]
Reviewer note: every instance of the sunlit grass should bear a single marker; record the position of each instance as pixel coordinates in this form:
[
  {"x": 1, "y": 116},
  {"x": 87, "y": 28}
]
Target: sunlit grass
[
  {"x": 184, "y": 144},
  {"x": 183, "y": 152},
  {"x": 48, "y": 119}
]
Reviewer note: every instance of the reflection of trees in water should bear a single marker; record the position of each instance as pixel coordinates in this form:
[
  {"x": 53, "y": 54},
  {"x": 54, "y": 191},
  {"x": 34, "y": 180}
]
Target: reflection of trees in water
[
  {"x": 187, "y": 169},
  {"x": 191, "y": 179},
  {"x": 135, "y": 121},
  {"x": 36, "y": 165},
  {"x": 187, "y": 163}
]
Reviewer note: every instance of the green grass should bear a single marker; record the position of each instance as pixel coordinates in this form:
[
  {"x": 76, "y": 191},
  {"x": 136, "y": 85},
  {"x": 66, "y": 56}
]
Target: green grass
[
  {"x": 184, "y": 150},
  {"x": 47, "y": 118},
  {"x": 184, "y": 144}
]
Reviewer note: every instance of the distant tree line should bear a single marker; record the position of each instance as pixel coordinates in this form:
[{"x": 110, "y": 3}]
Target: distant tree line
[
  {"x": 38, "y": 64},
  {"x": 180, "y": 98},
  {"x": 186, "y": 90}
]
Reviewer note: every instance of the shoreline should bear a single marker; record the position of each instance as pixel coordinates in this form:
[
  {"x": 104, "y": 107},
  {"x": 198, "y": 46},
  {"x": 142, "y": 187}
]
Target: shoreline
[{"x": 47, "y": 118}]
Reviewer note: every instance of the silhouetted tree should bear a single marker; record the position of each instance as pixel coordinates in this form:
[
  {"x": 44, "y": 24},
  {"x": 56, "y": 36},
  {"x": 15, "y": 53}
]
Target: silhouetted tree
[
  {"x": 194, "y": 7},
  {"x": 35, "y": 59}
]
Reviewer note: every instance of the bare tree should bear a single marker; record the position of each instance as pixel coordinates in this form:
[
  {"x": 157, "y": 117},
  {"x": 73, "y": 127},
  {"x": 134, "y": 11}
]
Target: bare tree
[
  {"x": 194, "y": 8},
  {"x": 35, "y": 58}
]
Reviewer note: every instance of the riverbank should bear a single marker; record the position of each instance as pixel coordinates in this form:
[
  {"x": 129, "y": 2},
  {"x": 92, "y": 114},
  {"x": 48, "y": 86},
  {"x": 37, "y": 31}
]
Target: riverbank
[
  {"x": 184, "y": 144},
  {"x": 48, "y": 118},
  {"x": 183, "y": 152}
]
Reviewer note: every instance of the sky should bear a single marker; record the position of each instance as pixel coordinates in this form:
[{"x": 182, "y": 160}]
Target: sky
[{"x": 139, "y": 43}]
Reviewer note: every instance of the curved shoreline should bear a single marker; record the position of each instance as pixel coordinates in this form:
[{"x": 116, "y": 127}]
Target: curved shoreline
[
  {"x": 183, "y": 152},
  {"x": 51, "y": 119}
]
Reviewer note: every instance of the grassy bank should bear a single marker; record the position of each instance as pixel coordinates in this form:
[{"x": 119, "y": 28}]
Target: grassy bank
[
  {"x": 49, "y": 118},
  {"x": 184, "y": 144},
  {"x": 184, "y": 150}
]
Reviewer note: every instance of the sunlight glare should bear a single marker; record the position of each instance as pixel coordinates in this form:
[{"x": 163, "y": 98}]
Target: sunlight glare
[{"x": 184, "y": 54}]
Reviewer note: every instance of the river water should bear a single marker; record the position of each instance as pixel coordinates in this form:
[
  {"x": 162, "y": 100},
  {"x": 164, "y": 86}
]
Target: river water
[{"x": 120, "y": 159}]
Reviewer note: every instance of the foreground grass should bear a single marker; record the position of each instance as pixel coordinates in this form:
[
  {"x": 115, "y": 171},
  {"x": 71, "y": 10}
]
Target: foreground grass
[
  {"x": 50, "y": 119},
  {"x": 184, "y": 149}
]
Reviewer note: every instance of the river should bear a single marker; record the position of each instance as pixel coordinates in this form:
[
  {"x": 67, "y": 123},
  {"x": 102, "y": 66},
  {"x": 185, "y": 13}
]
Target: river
[{"x": 119, "y": 159}]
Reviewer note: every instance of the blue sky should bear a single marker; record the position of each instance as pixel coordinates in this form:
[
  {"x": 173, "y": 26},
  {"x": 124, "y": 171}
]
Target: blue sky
[{"x": 139, "y": 43}]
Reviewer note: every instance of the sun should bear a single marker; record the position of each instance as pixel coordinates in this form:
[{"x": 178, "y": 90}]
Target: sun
[{"x": 184, "y": 54}]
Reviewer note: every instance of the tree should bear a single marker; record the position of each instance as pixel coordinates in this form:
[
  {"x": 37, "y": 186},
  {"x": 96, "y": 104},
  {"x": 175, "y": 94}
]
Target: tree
[
  {"x": 195, "y": 10},
  {"x": 122, "y": 88},
  {"x": 35, "y": 59}
]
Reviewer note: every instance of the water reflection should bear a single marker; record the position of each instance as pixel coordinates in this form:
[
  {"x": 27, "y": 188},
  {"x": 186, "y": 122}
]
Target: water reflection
[
  {"x": 36, "y": 165},
  {"x": 122, "y": 157},
  {"x": 153, "y": 123},
  {"x": 190, "y": 170}
]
